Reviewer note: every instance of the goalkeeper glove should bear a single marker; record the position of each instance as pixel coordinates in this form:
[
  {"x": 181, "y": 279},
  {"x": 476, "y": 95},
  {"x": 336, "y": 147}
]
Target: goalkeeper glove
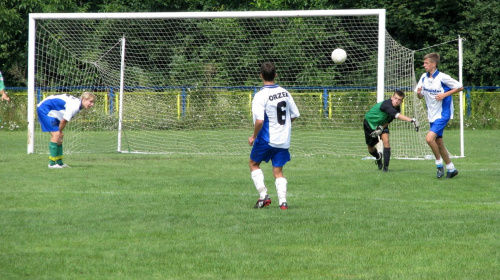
[
  {"x": 416, "y": 124},
  {"x": 376, "y": 133}
]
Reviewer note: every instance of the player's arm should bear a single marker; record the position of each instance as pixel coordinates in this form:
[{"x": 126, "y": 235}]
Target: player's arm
[
  {"x": 257, "y": 127},
  {"x": 418, "y": 88},
  {"x": 420, "y": 95},
  {"x": 442, "y": 96},
  {"x": 454, "y": 85},
  {"x": 294, "y": 111},
  {"x": 62, "y": 125},
  {"x": 403, "y": 117},
  {"x": 414, "y": 121}
]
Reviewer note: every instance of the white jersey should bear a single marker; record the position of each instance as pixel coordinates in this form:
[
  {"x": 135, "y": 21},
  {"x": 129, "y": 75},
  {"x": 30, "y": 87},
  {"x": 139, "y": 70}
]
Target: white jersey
[
  {"x": 432, "y": 86},
  {"x": 275, "y": 106},
  {"x": 61, "y": 106}
]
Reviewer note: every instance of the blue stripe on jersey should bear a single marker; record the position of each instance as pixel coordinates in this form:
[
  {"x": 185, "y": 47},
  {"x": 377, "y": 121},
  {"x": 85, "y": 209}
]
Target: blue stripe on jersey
[
  {"x": 446, "y": 106},
  {"x": 55, "y": 104},
  {"x": 264, "y": 132}
]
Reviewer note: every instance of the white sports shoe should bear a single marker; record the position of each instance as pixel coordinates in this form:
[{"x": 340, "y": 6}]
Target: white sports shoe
[
  {"x": 55, "y": 166},
  {"x": 63, "y": 165}
]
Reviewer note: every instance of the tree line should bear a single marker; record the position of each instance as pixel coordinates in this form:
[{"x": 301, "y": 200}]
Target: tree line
[{"x": 416, "y": 25}]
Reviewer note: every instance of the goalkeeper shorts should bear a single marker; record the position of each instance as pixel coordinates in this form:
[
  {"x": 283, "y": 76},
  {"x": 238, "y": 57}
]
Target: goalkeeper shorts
[{"x": 370, "y": 141}]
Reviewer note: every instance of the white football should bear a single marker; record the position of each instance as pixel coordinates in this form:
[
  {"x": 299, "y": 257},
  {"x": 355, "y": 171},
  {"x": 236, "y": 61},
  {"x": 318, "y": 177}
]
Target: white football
[{"x": 339, "y": 56}]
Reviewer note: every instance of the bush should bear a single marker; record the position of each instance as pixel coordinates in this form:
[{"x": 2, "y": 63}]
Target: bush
[{"x": 224, "y": 108}]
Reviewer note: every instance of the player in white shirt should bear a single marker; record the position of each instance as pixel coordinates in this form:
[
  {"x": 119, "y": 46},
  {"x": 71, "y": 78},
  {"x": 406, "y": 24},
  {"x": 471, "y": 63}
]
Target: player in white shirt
[
  {"x": 273, "y": 111},
  {"x": 54, "y": 112},
  {"x": 437, "y": 89}
]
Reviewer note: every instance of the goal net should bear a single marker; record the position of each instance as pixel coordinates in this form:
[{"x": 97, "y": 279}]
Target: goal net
[{"x": 184, "y": 82}]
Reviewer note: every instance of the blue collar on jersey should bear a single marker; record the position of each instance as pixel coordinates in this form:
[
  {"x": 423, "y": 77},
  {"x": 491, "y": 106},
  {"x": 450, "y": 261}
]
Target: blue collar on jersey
[
  {"x": 270, "y": 86},
  {"x": 433, "y": 74}
]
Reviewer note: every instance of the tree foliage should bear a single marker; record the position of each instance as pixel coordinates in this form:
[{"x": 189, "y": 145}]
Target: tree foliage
[{"x": 416, "y": 25}]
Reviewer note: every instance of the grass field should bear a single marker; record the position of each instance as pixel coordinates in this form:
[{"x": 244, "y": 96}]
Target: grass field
[{"x": 130, "y": 216}]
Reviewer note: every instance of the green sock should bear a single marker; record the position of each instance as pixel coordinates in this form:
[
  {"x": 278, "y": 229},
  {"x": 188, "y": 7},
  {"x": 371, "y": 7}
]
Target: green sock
[
  {"x": 52, "y": 153},
  {"x": 59, "y": 154}
]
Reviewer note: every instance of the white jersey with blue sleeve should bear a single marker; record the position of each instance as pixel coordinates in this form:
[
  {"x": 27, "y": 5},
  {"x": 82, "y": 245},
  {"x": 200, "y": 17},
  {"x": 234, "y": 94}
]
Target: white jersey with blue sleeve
[
  {"x": 61, "y": 106},
  {"x": 431, "y": 86},
  {"x": 275, "y": 106}
]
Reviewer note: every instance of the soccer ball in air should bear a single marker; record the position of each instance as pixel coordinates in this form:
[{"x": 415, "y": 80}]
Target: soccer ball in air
[{"x": 339, "y": 56}]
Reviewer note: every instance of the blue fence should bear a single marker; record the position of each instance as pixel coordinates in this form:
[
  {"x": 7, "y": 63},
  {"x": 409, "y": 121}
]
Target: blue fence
[{"x": 185, "y": 90}]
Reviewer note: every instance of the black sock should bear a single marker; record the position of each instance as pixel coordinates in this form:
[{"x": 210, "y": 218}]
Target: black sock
[
  {"x": 375, "y": 154},
  {"x": 387, "y": 156}
]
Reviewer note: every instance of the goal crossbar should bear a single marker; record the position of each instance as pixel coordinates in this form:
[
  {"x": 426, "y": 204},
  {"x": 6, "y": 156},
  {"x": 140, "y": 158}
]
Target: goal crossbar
[{"x": 208, "y": 15}]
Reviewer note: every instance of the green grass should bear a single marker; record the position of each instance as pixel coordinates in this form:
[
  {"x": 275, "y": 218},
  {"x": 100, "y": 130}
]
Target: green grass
[{"x": 130, "y": 216}]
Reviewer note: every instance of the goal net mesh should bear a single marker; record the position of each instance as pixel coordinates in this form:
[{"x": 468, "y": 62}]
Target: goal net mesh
[{"x": 188, "y": 83}]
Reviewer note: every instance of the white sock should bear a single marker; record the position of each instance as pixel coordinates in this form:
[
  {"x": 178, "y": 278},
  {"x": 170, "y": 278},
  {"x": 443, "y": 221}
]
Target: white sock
[
  {"x": 439, "y": 162},
  {"x": 450, "y": 166},
  {"x": 281, "y": 189},
  {"x": 258, "y": 180}
]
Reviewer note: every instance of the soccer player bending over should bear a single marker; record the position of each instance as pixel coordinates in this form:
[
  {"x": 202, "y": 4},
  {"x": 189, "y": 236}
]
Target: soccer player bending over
[
  {"x": 437, "y": 88},
  {"x": 273, "y": 112},
  {"x": 54, "y": 112},
  {"x": 376, "y": 124}
]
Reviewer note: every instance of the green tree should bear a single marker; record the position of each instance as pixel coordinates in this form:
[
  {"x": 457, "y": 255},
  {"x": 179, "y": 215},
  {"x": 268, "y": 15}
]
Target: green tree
[
  {"x": 416, "y": 25},
  {"x": 480, "y": 26}
]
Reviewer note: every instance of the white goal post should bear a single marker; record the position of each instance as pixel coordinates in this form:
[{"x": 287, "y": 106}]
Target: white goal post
[{"x": 183, "y": 82}]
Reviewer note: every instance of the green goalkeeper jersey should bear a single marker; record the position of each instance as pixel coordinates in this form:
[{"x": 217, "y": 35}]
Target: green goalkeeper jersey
[{"x": 382, "y": 113}]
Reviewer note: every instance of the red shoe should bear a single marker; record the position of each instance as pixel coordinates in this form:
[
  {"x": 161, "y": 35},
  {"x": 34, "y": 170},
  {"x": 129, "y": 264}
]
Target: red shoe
[{"x": 261, "y": 203}]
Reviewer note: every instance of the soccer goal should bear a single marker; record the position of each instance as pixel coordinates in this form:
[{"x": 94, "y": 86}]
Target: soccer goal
[{"x": 184, "y": 82}]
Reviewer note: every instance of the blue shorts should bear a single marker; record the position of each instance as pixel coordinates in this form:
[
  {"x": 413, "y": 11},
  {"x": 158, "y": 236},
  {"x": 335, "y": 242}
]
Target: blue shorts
[
  {"x": 263, "y": 152},
  {"x": 438, "y": 126},
  {"x": 49, "y": 124}
]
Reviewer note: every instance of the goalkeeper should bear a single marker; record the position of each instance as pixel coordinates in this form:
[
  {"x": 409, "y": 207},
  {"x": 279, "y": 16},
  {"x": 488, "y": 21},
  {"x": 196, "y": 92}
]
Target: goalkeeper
[
  {"x": 54, "y": 112},
  {"x": 376, "y": 124}
]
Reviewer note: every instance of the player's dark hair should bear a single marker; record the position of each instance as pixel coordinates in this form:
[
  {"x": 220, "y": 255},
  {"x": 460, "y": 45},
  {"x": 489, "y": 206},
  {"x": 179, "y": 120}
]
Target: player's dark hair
[
  {"x": 434, "y": 57},
  {"x": 268, "y": 71},
  {"x": 400, "y": 93}
]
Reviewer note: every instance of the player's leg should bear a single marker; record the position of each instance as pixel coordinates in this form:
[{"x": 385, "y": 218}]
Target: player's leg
[
  {"x": 451, "y": 171},
  {"x": 434, "y": 139},
  {"x": 55, "y": 150},
  {"x": 260, "y": 152},
  {"x": 51, "y": 125},
  {"x": 443, "y": 151},
  {"x": 430, "y": 138},
  {"x": 387, "y": 149},
  {"x": 60, "y": 152},
  {"x": 279, "y": 160},
  {"x": 56, "y": 140},
  {"x": 371, "y": 144},
  {"x": 258, "y": 180},
  {"x": 281, "y": 186},
  {"x": 431, "y": 141}
]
